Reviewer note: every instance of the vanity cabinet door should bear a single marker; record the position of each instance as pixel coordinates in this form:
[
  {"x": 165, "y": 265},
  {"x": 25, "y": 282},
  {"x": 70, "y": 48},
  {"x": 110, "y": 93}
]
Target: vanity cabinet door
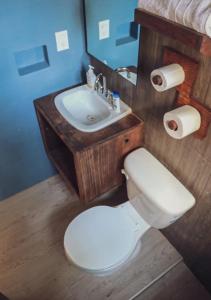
[{"x": 98, "y": 168}]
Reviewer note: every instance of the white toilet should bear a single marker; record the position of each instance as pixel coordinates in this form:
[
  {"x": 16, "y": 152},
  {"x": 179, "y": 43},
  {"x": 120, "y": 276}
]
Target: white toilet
[{"x": 103, "y": 238}]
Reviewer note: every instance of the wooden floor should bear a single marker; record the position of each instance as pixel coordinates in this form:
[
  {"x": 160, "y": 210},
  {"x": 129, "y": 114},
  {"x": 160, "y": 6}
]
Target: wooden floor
[
  {"x": 178, "y": 284},
  {"x": 33, "y": 264}
]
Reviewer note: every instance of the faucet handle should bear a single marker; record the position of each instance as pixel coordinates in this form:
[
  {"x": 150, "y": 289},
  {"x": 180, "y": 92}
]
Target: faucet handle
[
  {"x": 110, "y": 97},
  {"x": 104, "y": 83},
  {"x": 109, "y": 92},
  {"x": 98, "y": 86}
]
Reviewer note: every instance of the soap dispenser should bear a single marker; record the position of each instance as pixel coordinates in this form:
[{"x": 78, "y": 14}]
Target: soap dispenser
[{"x": 91, "y": 77}]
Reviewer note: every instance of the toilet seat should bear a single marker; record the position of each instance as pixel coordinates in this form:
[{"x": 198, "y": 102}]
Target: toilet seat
[{"x": 101, "y": 238}]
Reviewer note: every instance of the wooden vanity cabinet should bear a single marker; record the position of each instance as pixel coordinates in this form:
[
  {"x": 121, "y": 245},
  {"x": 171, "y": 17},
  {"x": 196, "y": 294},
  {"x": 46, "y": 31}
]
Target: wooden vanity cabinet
[{"x": 89, "y": 162}]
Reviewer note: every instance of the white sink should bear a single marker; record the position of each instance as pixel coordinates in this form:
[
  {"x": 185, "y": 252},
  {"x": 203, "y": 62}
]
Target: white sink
[{"x": 87, "y": 111}]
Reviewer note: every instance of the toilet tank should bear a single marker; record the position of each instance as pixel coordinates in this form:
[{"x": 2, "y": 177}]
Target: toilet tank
[{"x": 157, "y": 195}]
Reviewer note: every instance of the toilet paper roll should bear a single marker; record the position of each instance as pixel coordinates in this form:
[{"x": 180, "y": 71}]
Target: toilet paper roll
[
  {"x": 167, "y": 77},
  {"x": 182, "y": 121}
]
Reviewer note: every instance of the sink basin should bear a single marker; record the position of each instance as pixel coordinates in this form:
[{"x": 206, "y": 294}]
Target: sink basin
[{"x": 87, "y": 111}]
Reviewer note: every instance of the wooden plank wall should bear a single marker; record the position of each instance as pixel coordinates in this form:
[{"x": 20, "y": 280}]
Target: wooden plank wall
[{"x": 189, "y": 159}]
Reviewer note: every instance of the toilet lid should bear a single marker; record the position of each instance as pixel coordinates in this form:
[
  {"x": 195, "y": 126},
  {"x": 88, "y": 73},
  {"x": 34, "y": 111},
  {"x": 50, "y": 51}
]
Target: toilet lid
[{"x": 100, "y": 238}]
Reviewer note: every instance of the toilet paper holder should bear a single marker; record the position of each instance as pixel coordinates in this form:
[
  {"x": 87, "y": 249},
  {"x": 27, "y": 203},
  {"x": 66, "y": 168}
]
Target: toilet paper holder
[
  {"x": 157, "y": 80},
  {"x": 184, "y": 90},
  {"x": 173, "y": 125}
]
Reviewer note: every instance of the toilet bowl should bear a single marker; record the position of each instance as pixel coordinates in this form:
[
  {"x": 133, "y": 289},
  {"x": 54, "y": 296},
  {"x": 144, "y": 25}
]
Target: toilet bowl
[{"x": 103, "y": 238}]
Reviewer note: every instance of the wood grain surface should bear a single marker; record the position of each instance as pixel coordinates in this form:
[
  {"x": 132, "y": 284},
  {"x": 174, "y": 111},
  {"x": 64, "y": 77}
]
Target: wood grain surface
[
  {"x": 90, "y": 162},
  {"x": 178, "y": 284},
  {"x": 74, "y": 139},
  {"x": 32, "y": 259},
  {"x": 187, "y": 36},
  {"x": 98, "y": 168},
  {"x": 188, "y": 159}
]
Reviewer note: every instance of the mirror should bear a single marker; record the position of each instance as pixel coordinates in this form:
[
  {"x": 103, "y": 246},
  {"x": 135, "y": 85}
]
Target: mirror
[{"x": 112, "y": 35}]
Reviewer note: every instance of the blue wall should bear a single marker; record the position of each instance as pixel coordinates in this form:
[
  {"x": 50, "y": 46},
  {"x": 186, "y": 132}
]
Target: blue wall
[
  {"x": 120, "y": 13},
  {"x": 25, "y": 24}
]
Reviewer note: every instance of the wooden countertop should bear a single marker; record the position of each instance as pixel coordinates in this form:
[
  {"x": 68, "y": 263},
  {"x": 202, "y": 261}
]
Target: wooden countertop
[{"x": 77, "y": 140}]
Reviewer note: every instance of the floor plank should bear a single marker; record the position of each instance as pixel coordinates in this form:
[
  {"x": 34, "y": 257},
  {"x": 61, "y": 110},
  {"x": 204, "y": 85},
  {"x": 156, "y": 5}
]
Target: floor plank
[
  {"x": 32, "y": 261},
  {"x": 178, "y": 284}
]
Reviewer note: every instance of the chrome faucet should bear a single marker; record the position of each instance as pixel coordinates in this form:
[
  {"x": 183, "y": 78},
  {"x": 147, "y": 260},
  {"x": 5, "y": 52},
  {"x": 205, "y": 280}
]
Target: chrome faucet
[
  {"x": 101, "y": 88},
  {"x": 124, "y": 69}
]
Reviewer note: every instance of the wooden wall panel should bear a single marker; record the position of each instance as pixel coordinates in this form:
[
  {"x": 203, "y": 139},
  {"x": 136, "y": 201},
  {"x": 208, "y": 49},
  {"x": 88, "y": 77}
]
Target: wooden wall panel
[
  {"x": 98, "y": 167},
  {"x": 189, "y": 159}
]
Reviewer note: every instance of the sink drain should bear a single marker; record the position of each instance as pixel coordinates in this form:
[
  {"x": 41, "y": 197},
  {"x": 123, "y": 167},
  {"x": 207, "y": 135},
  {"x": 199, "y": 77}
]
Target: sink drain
[{"x": 91, "y": 118}]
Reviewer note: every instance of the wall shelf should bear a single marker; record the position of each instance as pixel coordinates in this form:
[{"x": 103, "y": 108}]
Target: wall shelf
[
  {"x": 127, "y": 33},
  {"x": 189, "y": 37},
  {"x": 31, "y": 60}
]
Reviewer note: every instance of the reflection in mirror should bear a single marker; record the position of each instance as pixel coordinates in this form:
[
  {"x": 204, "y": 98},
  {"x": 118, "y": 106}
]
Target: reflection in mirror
[{"x": 112, "y": 35}]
